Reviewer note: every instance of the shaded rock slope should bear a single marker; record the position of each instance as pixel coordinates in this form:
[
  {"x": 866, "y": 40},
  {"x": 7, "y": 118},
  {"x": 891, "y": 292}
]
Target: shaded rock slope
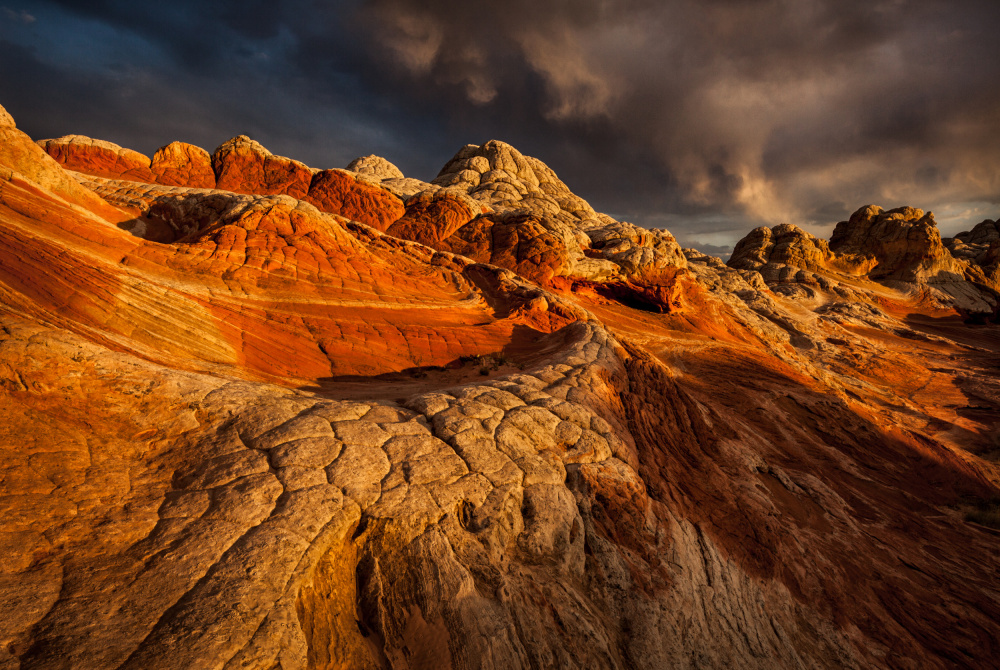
[{"x": 260, "y": 415}]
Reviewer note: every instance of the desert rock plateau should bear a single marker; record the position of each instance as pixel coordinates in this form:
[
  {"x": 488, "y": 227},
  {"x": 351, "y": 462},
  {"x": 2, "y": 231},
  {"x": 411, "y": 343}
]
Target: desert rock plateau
[{"x": 256, "y": 414}]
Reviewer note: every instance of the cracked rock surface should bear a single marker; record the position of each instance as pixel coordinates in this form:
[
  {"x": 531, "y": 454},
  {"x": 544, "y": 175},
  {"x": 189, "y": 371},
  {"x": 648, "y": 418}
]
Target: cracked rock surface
[{"x": 470, "y": 423}]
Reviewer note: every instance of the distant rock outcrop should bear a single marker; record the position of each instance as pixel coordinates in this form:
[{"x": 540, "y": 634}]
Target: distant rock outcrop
[
  {"x": 787, "y": 255},
  {"x": 980, "y": 247},
  {"x": 984, "y": 233},
  {"x": 904, "y": 242},
  {"x": 784, "y": 244},
  {"x": 242, "y": 165},
  {"x": 181, "y": 164},
  {"x": 99, "y": 158},
  {"x": 902, "y": 245}
]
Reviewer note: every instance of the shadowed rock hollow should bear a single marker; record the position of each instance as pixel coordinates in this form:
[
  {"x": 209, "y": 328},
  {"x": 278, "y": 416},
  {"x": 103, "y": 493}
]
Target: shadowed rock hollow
[{"x": 261, "y": 415}]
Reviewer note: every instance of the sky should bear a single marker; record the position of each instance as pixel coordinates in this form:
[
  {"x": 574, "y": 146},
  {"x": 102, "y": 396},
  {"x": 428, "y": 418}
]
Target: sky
[{"x": 705, "y": 117}]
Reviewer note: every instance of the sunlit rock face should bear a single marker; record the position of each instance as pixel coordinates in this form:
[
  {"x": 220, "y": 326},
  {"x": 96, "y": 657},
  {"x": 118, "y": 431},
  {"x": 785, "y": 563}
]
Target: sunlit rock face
[
  {"x": 787, "y": 254},
  {"x": 905, "y": 242},
  {"x": 260, "y": 415},
  {"x": 981, "y": 248},
  {"x": 899, "y": 248},
  {"x": 181, "y": 164},
  {"x": 98, "y": 157}
]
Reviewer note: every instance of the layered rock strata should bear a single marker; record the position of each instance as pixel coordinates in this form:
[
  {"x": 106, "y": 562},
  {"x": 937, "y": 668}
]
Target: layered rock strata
[{"x": 285, "y": 437}]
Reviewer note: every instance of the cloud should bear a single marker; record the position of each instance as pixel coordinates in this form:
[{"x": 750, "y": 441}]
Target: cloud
[
  {"x": 722, "y": 251},
  {"x": 204, "y": 73},
  {"x": 20, "y": 16},
  {"x": 706, "y": 116},
  {"x": 770, "y": 109}
]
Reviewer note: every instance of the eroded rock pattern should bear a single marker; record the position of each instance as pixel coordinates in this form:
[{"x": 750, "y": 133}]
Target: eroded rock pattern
[
  {"x": 242, "y": 432},
  {"x": 182, "y": 164},
  {"x": 242, "y": 165},
  {"x": 901, "y": 248},
  {"x": 905, "y": 242},
  {"x": 354, "y": 197},
  {"x": 980, "y": 247},
  {"x": 98, "y": 157}
]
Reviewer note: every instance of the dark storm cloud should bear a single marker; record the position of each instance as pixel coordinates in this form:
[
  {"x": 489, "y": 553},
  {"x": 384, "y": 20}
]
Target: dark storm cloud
[
  {"x": 767, "y": 110},
  {"x": 704, "y": 116},
  {"x": 143, "y": 74}
]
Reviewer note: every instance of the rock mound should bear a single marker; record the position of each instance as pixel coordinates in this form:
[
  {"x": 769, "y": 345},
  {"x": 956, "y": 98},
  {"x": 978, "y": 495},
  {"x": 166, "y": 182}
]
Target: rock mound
[
  {"x": 432, "y": 217},
  {"x": 243, "y": 165},
  {"x": 501, "y": 176},
  {"x": 785, "y": 244},
  {"x": 182, "y": 164},
  {"x": 904, "y": 242},
  {"x": 597, "y": 247},
  {"x": 375, "y": 166},
  {"x": 352, "y": 196},
  {"x": 176, "y": 164},
  {"x": 99, "y": 158}
]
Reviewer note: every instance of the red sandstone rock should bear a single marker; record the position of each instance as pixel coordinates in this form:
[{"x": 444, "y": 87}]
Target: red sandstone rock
[
  {"x": 99, "y": 158},
  {"x": 342, "y": 193},
  {"x": 180, "y": 164},
  {"x": 520, "y": 243},
  {"x": 242, "y": 165},
  {"x": 431, "y": 218}
]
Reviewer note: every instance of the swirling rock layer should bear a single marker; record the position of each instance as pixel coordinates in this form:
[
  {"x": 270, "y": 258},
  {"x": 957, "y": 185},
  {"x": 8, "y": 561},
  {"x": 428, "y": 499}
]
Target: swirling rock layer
[{"x": 486, "y": 427}]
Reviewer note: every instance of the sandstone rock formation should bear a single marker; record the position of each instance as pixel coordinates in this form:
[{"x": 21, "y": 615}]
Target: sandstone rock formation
[
  {"x": 905, "y": 242},
  {"x": 180, "y": 164},
  {"x": 900, "y": 248},
  {"x": 494, "y": 204},
  {"x": 509, "y": 182},
  {"x": 788, "y": 254},
  {"x": 980, "y": 247},
  {"x": 242, "y": 165},
  {"x": 352, "y": 196},
  {"x": 375, "y": 166},
  {"x": 583, "y": 244},
  {"x": 97, "y": 157},
  {"x": 24, "y": 164},
  {"x": 431, "y": 217},
  {"x": 983, "y": 234},
  {"x": 278, "y": 437}
]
